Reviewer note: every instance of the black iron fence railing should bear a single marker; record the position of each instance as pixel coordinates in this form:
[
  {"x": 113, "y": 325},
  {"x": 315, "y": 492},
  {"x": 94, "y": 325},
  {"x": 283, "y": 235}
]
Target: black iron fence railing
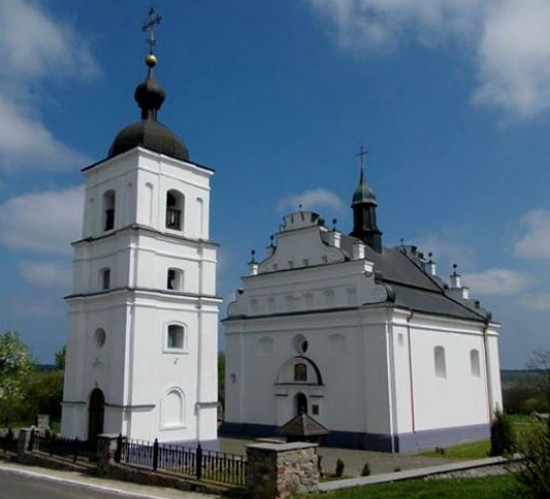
[
  {"x": 62, "y": 447},
  {"x": 8, "y": 442},
  {"x": 193, "y": 462}
]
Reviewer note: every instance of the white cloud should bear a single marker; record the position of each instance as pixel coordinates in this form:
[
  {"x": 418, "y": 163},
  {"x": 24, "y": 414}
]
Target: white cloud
[
  {"x": 508, "y": 39},
  {"x": 33, "y": 43},
  {"x": 41, "y": 308},
  {"x": 43, "y": 222},
  {"x": 312, "y": 199},
  {"x": 35, "y": 48},
  {"x": 497, "y": 282},
  {"x": 535, "y": 243},
  {"x": 50, "y": 274},
  {"x": 514, "y": 57},
  {"x": 25, "y": 141},
  {"x": 445, "y": 250},
  {"x": 537, "y": 302}
]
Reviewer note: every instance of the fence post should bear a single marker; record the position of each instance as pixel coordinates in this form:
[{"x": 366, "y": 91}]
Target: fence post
[
  {"x": 198, "y": 462},
  {"x": 75, "y": 449},
  {"x": 52, "y": 443},
  {"x": 155, "y": 455},
  {"x": 30, "y": 447},
  {"x": 118, "y": 452}
]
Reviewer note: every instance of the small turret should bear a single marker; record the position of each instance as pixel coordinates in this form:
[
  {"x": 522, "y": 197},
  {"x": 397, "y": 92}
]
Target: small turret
[{"x": 364, "y": 213}]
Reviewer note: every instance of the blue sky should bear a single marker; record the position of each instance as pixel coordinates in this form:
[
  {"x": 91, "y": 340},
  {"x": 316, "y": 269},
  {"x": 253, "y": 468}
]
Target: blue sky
[{"x": 452, "y": 99}]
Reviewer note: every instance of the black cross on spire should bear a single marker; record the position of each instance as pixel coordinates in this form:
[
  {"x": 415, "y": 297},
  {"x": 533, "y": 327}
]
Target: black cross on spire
[
  {"x": 148, "y": 26},
  {"x": 362, "y": 154}
]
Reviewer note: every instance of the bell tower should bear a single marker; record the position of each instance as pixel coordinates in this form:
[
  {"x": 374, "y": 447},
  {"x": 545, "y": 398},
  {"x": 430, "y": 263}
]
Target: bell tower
[{"x": 143, "y": 311}]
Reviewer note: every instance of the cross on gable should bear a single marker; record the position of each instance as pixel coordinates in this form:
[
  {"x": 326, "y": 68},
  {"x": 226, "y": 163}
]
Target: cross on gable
[{"x": 153, "y": 18}]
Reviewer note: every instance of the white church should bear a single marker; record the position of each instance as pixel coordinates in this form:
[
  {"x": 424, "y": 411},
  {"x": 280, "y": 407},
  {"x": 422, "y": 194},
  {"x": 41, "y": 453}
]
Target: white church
[
  {"x": 365, "y": 339},
  {"x": 143, "y": 311}
]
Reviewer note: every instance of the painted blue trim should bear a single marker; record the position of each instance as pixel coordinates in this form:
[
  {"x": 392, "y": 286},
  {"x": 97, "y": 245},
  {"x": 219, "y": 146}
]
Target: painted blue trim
[{"x": 404, "y": 442}]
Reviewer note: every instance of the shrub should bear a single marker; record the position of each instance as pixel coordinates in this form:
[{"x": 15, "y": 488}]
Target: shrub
[
  {"x": 534, "y": 470},
  {"x": 366, "y": 470},
  {"x": 502, "y": 436},
  {"x": 339, "y": 471}
]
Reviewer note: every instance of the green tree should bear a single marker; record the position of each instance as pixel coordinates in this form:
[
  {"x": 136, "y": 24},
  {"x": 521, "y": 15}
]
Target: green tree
[
  {"x": 16, "y": 364},
  {"x": 539, "y": 364},
  {"x": 60, "y": 358},
  {"x": 43, "y": 395}
]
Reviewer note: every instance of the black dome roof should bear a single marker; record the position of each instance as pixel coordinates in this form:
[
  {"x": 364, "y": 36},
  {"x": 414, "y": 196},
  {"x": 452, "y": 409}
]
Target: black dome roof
[
  {"x": 148, "y": 132},
  {"x": 152, "y": 135}
]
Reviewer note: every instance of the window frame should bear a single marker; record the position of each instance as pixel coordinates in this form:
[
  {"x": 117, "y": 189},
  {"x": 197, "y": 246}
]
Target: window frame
[{"x": 166, "y": 341}]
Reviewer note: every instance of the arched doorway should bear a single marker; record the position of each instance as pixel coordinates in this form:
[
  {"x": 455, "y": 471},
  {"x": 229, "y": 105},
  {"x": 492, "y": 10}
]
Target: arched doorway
[
  {"x": 96, "y": 414},
  {"x": 300, "y": 404}
]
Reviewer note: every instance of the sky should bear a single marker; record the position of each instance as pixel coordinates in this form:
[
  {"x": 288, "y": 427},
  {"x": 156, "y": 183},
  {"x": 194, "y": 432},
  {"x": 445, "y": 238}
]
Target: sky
[{"x": 450, "y": 97}]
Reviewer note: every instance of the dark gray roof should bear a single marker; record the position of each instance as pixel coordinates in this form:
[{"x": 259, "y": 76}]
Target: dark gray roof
[
  {"x": 401, "y": 270},
  {"x": 302, "y": 425},
  {"x": 152, "y": 135}
]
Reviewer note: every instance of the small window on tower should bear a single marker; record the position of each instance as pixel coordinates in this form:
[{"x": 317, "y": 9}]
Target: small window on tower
[
  {"x": 174, "y": 210},
  {"x": 174, "y": 279},
  {"x": 175, "y": 337},
  {"x": 105, "y": 276},
  {"x": 109, "y": 198}
]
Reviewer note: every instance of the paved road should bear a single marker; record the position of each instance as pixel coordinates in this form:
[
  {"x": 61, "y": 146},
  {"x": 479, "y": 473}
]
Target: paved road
[
  {"x": 16, "y": 486},
  {"x": 26, "y": 482}
]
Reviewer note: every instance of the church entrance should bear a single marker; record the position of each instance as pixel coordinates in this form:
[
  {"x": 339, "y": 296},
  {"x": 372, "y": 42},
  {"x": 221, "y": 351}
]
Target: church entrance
[
  {"x": 300, "y": 404},
  {"x": 96, "y": 414}
]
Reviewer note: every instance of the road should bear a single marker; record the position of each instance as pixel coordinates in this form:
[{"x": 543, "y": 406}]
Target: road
[
  {"x": 17, "y": 486},
  {"x": 29, "y": 482}
]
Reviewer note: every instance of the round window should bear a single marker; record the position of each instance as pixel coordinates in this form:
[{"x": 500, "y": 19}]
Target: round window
[
  {"x": 300, "y": 344},
  {"x": 100, "y": 337}
]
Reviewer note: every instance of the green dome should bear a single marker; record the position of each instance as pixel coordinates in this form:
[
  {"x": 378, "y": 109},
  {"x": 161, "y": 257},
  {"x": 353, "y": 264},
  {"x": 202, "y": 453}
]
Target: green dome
[{"x": 363, "y": 193}]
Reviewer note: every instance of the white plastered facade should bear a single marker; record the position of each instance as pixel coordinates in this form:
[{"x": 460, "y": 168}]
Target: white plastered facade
[
  {"x": 372, "y": 378},
  {"x": 145, "y": 338}
]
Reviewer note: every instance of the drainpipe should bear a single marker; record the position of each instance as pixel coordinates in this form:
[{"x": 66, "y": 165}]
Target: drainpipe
[
  {"x": 389, "y": 367},
  {"x": 488, "y": 372},
  {"x": 411, "y": 379}
]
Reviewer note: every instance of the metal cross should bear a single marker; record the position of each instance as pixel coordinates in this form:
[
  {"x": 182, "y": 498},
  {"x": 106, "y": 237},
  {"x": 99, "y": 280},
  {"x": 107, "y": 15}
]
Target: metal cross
[
  {"x": 148, "y": 26},
  {"x": 362, "y": 154}
]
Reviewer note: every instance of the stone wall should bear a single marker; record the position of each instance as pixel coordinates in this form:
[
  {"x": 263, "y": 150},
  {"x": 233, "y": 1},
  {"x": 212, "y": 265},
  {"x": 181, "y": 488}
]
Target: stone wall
[{"x": 278, "y": 470}]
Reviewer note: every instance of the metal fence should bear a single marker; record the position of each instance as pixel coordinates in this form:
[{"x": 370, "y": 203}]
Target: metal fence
[
  {"x": 67, "y": 448},
  {"x": 8, "y": 442},
  {"x": 193, "y": 462}
]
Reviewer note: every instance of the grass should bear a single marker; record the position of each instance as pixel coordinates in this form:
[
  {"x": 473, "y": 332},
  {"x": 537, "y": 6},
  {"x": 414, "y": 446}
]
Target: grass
[
  {"x": 470, "y": 450},
  {"x": 489, "y": 487},
  {"x": 480, "y": 449}
]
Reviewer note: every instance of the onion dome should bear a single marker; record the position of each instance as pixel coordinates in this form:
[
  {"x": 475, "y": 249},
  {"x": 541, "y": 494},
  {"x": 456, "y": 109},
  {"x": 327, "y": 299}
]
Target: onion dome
[
  {"x": 148, "y": 132},
  {"x": 363, "y": 193}
]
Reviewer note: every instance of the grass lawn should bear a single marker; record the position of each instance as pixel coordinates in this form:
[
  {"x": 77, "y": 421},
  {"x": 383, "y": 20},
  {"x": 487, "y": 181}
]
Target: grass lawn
[
  {"x": 480, "y": 449},
  {"x": 491, "y": 487},
  {"x": 470, "y": 450}
]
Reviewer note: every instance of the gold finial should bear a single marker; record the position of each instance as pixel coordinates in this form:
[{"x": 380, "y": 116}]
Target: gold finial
[{"x": 151, "y": 60}]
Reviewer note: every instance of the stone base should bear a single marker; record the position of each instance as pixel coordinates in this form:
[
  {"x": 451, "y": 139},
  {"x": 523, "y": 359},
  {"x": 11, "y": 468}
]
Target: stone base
[{"x": 404, "y": 442}]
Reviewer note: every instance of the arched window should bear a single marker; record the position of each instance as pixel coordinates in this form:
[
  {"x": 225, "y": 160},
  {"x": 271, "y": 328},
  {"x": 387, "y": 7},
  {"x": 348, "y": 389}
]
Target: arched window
[
  {"x": 105, "y": 278},
  {"x": 173, "y": 409},
  {"x": 475, "y": 367},
  {"x": 176, "y": 337},
  {"x": 174, "y": 279},
  {"x": 100, "y": 337},
  {"x": 109, "y": 198},
  {"x": 174, "y": 210},
  {"x": 439, "y": 362},
  {"x": 300, "y": 372}
]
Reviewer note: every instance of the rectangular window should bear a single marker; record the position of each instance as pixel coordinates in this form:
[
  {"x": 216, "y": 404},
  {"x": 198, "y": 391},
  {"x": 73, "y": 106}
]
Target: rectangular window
[
  {"x": 105, "y": 278},
  {"x": 315, "y": 409},
  {"x": 175, "y": 337}
]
